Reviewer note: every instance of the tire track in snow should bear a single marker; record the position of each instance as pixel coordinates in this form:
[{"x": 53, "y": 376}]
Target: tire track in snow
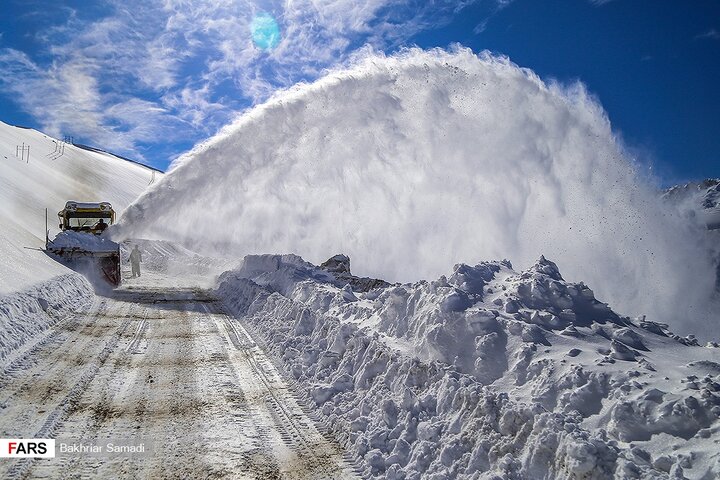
[
  {"x": 139, "y": 334},
  {"x": 212, "y": 383},
  {"x": 306, "y": 403},
  {"x": 295, "y": 428},
  {"x": 69, "y": 403},
  {"x": 25, "y": 357},
  {"x": 157, "y": 397}
]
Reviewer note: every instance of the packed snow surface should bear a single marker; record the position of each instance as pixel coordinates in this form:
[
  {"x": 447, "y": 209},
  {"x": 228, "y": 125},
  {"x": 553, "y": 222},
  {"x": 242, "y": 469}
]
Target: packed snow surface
[
  {"x": 53, "y": 174},
  {"x": 486, "y": 373},
  {"x": 70, "y": 240},
  {"x": 428, "y": 158}
]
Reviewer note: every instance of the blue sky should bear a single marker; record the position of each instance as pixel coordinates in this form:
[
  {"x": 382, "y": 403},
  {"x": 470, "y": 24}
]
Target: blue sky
[{"x": 150, "y": 78}]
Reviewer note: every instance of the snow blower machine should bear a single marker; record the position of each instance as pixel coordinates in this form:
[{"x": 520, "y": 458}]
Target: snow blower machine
[{"x": 81, "y": 246}]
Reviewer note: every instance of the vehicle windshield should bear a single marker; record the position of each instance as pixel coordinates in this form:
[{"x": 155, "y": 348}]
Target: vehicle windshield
[{"x": 85, "y": 222}]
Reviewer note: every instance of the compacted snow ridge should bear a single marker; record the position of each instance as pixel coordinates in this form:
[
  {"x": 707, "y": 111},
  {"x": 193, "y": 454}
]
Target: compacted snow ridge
[
  {"x": 486, "y": 373},
  {"x": 25, "y": 315}
]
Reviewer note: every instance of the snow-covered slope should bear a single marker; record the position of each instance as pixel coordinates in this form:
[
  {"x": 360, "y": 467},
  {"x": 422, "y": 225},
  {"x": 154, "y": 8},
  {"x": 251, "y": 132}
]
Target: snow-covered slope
[
  {"x": 48, "y": 180},
  {"x": 425, "y": 159},
  {"x": 487, "y": 373}
]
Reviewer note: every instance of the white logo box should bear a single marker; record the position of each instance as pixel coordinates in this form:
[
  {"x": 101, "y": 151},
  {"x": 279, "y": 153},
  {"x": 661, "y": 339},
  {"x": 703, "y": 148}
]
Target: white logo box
[{"x": 27, "y": 448}]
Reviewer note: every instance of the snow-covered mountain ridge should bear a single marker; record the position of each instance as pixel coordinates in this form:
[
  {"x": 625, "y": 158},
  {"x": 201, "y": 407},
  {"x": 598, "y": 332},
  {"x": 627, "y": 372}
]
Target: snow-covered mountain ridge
[
  {"x": 707, "y": 189},
  {"x": 701, "y": 199},
  {"x": 487, "y": 371}
]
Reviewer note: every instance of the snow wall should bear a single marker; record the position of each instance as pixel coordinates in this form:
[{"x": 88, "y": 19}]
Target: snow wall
[{"x": 414, "y": 162}]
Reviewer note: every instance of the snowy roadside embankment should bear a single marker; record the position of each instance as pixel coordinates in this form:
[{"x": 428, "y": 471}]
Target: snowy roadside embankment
[
  {"x": 487, "y": 372},
  {"x": 28, "y": 313}
]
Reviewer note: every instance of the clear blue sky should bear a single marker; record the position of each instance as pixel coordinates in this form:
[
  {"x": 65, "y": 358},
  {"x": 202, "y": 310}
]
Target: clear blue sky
[{"x": 148, "y": 79}]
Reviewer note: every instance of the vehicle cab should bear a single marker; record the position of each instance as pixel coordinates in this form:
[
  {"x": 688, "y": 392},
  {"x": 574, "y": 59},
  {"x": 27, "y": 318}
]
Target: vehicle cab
[{"x": 86, "y": 217}]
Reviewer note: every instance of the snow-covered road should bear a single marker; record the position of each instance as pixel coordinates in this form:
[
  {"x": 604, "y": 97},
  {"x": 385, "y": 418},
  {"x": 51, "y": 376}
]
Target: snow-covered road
[{"x": 165, "y": 367}]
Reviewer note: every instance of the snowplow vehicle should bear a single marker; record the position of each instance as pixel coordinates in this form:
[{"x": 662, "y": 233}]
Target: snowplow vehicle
[{"x": 80, "y": 244}]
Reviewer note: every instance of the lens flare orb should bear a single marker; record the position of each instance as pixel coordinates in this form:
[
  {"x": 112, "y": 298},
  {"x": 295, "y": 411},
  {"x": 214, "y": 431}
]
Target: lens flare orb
[{"x": 265, "y": 31}]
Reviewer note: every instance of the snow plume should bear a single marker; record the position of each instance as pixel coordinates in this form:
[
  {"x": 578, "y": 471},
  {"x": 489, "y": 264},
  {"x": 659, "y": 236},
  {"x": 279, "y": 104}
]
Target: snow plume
[{"x": 414, "y": 162}]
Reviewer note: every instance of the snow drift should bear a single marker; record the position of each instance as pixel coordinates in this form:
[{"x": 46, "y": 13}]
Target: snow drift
[{"x": 428, "y": 158}]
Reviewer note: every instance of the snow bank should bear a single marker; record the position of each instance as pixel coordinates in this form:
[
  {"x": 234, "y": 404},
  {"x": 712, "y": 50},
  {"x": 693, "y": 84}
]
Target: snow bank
[
  {"x": 427, "y": 158},
  {"x": 26, "y": 314},
  {"x": 487, "y": 373},
  {"x": 282, "y": 272}
]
